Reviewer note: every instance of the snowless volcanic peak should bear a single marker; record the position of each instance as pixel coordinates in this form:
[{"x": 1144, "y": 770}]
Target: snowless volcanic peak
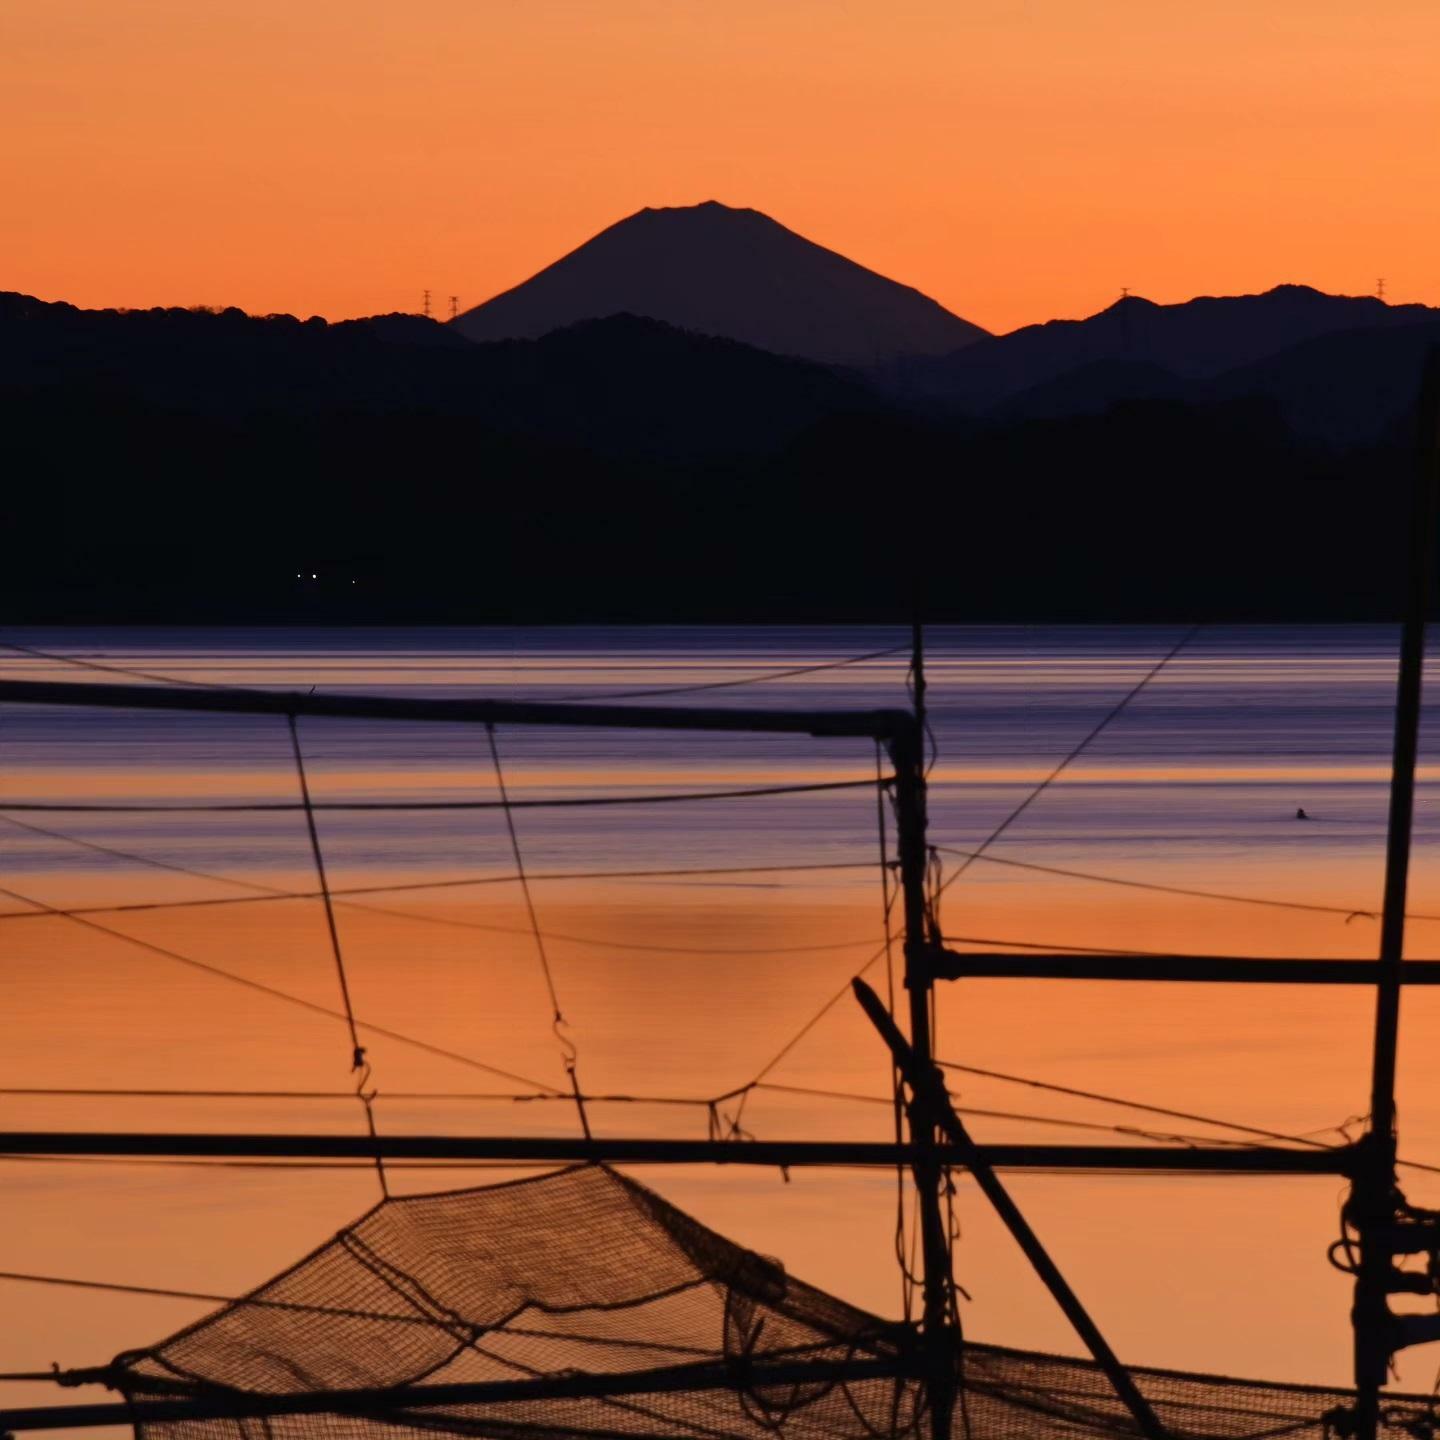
[{"x": 732, "y": 273}]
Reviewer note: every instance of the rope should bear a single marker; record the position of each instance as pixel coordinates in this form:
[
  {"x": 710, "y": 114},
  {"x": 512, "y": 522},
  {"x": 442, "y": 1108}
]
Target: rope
[
  {"x": 358, "y": 1063},
  {"x": 743, "y": 680},
  {"x": 809, "y": 1025},
  {"x": 95, "y": 1092},
  {"x": 879, "y": 954},
  {"x": 525, "y": 1097},
  {"x": 270, "y": 892},
  {"x": 267, "y": 893},
  {"x": 1061, "y": 1122},
  {"x": 987, "y": 940},
  {"x": 568, "y": 1052},
  {"x": 303, "y": 1307},
  {"x": 1074, "y": 754},
  {"x": 1141, "y": 1105},
  {"x": 259, "y": 985},
  {"x": 358, "y": 1059},
  {"x": 560, "y": 803},
  {"x": 209, "y": 1297},
  {"x": 115, "y": 854},
  {"x": 80, "y": 664},
  {"x": 625, "y": 946},
  {"x": 1350, "y": 912},
  {"x": 994, "y": 835},
  {"x": 691, "y": 1102}
]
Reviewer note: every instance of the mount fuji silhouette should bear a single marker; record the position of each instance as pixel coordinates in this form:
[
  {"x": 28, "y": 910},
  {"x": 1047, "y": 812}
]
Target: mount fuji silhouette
[{"x": 731, "y": 273}]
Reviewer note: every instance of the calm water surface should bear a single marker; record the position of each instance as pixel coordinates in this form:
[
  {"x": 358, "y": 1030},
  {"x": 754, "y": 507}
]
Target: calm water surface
[{"x": 688, "y": 986}]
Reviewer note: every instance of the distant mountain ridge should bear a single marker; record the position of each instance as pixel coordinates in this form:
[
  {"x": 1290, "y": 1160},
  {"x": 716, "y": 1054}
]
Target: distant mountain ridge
[
  {"x": 733, "y": 273},
  {"x": 622, "y": 383},
  {"x": 1198, "y": 339},
  {"x": 174, "y": 464}
]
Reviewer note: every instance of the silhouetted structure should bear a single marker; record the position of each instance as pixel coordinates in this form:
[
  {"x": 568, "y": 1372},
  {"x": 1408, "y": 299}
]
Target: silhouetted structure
[{"x": 581, "y": 1304}]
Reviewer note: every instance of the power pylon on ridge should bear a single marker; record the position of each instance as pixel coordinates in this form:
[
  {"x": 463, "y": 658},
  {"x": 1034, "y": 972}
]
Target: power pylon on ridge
[
  {"x": 425, "y": 311},
  {"x": 454, "y": 306}
]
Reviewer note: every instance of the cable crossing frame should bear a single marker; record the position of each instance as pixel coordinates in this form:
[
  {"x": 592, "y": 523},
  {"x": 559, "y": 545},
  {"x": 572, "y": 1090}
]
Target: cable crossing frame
[{"x": 937, "y": 1142}]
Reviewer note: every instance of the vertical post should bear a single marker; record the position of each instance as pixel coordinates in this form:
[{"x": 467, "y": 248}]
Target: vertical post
[
  {"x": 1372, "y": 1201},
  {"x": 1146, "y": 1421},
  {"x": 907, "y": 752}
]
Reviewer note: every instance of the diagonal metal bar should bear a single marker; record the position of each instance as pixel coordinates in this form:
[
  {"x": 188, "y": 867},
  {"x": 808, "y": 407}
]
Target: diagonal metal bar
[{"x": 931, "y": 1083}]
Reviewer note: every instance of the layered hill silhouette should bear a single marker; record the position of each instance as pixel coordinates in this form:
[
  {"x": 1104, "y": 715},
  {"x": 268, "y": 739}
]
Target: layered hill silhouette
[
  {"x": 1137, "y": 349},
  {"x": 621, "y": 384},
  {"x": 181, "y": 465},
  {"x": 1344, "y": 390},
  {"x": 727, "y": 272}
]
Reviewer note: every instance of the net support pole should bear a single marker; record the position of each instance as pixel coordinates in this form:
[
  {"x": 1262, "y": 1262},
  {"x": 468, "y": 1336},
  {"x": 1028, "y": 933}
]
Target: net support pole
[
  {"x": 1373, "y": 1198},
  {"x": 926, "y": 1082},
  {"x": 907, "y": 753}
]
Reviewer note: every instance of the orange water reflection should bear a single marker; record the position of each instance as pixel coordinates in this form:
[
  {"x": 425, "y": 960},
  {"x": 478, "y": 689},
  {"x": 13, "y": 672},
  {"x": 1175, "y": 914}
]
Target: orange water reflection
[{"x": 689, "y": 986}]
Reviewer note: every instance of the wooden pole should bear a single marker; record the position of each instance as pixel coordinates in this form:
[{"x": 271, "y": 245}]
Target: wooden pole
[
  {"x": 1372, "y": 1203},
  {"x": 926, "y": 1081}
]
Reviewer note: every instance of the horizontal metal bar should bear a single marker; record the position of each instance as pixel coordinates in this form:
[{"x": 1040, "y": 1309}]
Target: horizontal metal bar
[
  {"x": 529, "y": 1149},
  {"x": 1191, "y": 969},
  {"x": 236, "y": 700},
  {"x": 392, "y": 1401}
]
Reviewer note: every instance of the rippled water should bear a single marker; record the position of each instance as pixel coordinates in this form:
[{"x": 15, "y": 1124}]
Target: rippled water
[{"x": 689, "y": 985}]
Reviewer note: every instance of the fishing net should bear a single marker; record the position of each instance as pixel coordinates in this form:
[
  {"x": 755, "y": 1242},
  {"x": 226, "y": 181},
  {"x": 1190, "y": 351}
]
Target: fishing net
[{"x": 581, "y": 1304}]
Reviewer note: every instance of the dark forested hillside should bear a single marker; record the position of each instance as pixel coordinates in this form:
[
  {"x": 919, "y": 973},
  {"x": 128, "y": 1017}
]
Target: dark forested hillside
[{"x": 181, "y": 466}]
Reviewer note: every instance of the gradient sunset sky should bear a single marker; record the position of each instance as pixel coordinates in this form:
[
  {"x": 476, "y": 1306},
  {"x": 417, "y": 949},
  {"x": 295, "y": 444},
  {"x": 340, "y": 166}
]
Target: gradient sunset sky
[{"x": 1015, "y": 159}]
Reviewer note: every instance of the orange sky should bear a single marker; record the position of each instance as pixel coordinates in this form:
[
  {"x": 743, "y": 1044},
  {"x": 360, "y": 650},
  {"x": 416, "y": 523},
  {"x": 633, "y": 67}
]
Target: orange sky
[{"x": 1016, "y": 159}]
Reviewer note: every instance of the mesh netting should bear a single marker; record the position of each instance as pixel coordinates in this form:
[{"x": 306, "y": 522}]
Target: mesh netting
[{"x": 583, "y": 1279}]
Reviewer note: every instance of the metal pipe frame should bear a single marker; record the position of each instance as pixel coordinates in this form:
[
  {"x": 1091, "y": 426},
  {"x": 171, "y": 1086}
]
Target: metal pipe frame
[
  {"x": 524, "y": 1150},
  {"x": 1184, "y": 969},
  {"x": 923, "y": 1078},
  {"x": 862, "y": 724},
  {"x": 392, "y": 1403}
]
